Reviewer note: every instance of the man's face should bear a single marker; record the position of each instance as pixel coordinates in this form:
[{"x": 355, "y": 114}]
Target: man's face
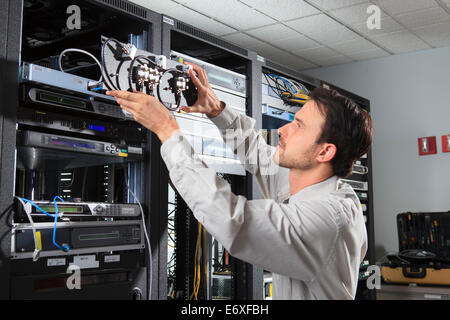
[{"x": 297, "y": 148}]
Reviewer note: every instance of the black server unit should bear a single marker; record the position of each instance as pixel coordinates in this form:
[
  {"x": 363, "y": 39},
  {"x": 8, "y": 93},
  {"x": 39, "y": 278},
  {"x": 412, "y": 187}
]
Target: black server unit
[
  {"x": 362, "y": 181},
  {"x": 60, "y": 140},
  {"x": 225, "y": 277}
]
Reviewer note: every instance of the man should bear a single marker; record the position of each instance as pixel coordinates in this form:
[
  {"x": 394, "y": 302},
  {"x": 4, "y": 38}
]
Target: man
[{"x": 309, "y": 230}]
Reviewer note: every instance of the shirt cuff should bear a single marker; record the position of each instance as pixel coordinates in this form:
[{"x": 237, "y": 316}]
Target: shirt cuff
[
  {"x": 225, "y": 118},
  {"x": 176, "y": 150}
]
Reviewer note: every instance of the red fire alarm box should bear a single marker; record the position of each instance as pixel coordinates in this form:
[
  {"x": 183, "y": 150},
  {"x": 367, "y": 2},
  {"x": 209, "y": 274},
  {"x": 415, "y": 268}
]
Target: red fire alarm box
[
  {"x": 446, "y": 143},
  {"x": 427, "y": 145}
]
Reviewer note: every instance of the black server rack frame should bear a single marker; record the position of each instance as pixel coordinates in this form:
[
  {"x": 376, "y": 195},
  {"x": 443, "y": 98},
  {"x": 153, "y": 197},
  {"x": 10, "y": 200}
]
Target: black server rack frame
[
  {"x": 10, "y": 28},
  {"x": 11, "y": 40}
]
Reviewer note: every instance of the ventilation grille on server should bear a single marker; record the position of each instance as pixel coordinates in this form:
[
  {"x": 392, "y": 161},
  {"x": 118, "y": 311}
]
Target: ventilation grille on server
[
  {"x": 128, "y": 7},
  {"x": 205, "y": 36}
]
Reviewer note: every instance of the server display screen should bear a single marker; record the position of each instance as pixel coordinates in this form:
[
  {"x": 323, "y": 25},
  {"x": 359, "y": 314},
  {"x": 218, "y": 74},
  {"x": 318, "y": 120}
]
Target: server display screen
[
  {"x": 62, "y": 208},
  {"x": 99, "y": 236},
  {"x": 72, "y": 143},
  {"x": 55, "y": 98},
  {"x": 96, "y": 128}
]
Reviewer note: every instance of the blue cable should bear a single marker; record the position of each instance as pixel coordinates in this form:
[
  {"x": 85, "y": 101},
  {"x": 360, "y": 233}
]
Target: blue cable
[
  {"x": 66, "y": 247},
  {"x": 287, "y": 82}
]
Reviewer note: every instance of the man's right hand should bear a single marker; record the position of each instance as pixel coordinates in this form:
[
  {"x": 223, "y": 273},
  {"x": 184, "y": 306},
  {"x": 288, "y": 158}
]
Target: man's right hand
[{"x": 207, "y": 101}]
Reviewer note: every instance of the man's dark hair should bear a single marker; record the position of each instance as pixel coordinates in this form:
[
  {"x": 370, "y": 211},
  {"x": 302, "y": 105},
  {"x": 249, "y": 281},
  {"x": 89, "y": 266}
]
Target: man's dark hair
[{"x": 347, "y": 126}]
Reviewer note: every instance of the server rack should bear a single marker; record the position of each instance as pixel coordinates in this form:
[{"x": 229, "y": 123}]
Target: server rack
[
  {"x": 10, "y": 26},
  {"x": 145, "y": 176},
  {"x": 164, "y": 33},
  {"x": 246, "y": 280}
]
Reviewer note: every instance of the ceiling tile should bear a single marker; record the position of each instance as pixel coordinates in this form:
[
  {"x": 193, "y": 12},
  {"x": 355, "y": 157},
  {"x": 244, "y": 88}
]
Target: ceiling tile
[
  {"x": 298, "y": 42},
  {"x": 311, "y": 24},
  {"x": 157, "y": 6},
  {"x": 284, "y": 58},
  {"x": 302, "y": 65},
  {"x": 371, "y": 54},
  {"x": 200, "y": 21},
  {"x": 246, "y": 20},
  {"x": 437, "y": 35},
  {"x": 231, "y": 12},
  {"x": 271, "y": 52},
  {"x": 337, "y": 35},
  {"x": 283, "y": 10},
  {"x": 292, "y": 61},
  {"x": 354, "y": 15},
  {"x": 316, "y": 54},
  {"x": 423, "y": 17},
  {"x": 334, "y": 60},
  {"x": 351, "y": 47},
  {"x": 401, "y": 41},
  {"x": 244, "y": 41},
  {"x": 276, "y": 31},
  {"x": 219, "y": 9},
  {"x": 395, "y": 7},
  {"x": 335, "y": 4},
  {"x": 388, "y": 25}
]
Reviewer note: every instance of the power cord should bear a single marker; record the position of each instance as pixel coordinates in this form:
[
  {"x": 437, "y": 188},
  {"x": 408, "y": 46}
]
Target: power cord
[
  {"x": 145, "y": 233},
  {"x": 37, "y": 250},
  {"x": 61, "y": 55}
]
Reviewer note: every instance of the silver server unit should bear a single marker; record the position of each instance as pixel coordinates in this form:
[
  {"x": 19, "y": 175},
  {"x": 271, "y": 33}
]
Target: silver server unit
[{"x": 203, "y": 135}]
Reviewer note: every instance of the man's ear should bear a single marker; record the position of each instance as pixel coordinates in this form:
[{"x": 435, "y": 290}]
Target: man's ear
[{"x": 327, "y": 152}]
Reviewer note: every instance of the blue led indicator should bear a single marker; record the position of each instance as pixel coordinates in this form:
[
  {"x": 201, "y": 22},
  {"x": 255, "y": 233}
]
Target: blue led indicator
[
  {"x": 96, "y": 128},
  {"x": 291, "y": 117}
]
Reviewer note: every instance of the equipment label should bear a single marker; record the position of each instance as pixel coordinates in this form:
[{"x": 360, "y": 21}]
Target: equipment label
[
  {"x": 168, "y": 20},
  {"x": 113, "y": 258},
  {"x": 85, "y": 262},
  {"x": 56, "y": 262}
]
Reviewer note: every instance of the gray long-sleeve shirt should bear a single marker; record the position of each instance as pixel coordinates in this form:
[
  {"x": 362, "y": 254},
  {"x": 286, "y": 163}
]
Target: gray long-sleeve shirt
[{"x": 312, "y": 241}]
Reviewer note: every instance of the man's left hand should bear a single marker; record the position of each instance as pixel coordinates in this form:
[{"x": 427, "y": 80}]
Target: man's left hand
[{"x": 148, "y": 111}]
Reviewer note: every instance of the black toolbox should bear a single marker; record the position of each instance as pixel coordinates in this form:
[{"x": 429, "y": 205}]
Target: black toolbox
[{"x": 424, "y": 250}]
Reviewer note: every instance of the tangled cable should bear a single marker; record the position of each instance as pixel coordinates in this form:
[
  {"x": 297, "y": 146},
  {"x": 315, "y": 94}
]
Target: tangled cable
[
  {"x": 290, "y": 91},
  {"x": 64, "y": 247},
  {"x": 143, "y": 73}
]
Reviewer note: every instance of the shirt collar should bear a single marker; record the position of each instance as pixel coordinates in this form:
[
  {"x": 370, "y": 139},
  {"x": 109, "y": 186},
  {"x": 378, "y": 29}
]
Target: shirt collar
[{"x": 316, "y": 190}]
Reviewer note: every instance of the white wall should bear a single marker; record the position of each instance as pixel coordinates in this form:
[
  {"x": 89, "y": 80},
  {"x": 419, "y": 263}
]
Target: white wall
[{"x": 410, "y": 98}]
